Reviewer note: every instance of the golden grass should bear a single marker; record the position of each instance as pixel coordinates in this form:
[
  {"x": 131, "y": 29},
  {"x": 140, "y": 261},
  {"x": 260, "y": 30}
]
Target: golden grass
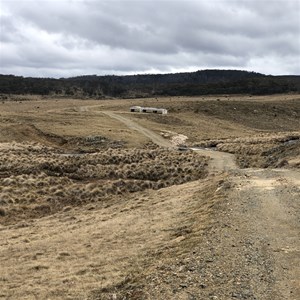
[
  {"x": 116, "y": 222},
  {"x": 37, "y": 180}
]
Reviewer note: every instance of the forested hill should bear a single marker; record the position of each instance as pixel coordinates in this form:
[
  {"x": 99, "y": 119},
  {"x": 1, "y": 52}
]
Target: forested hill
[{"x": 177, "y": 84}]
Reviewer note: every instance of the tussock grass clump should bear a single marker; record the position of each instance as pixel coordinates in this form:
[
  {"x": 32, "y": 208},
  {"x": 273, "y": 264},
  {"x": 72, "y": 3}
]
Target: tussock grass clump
[
  {"x": 39, "y": 180},
  {"x": 2, "y": 212},
  {"x": 267, "y": 149}
]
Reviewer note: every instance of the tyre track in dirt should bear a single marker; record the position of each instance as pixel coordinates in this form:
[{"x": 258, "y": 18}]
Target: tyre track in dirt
[
  {"x": 263, "y": 261},
  {"x": 264, "y": 231},
  {"x": 264, "y": 210},
  {"x": 155, "y": 138}
]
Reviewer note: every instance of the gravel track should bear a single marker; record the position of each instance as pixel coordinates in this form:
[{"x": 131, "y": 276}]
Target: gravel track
[{"x": 252, "y": 252}]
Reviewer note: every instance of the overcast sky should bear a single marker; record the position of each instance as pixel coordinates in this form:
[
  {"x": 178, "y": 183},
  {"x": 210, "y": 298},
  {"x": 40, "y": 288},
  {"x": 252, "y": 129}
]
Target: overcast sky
[{"x": 62, "y": 38}]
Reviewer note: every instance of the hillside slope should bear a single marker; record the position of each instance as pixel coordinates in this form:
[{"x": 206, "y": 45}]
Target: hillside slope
[{"x": 188, "y": 84}]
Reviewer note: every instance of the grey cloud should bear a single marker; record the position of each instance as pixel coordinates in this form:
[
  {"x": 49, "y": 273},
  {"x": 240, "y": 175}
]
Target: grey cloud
[
  {"x": 7, "y": 30},
  {"x": 67, "y": 37}
]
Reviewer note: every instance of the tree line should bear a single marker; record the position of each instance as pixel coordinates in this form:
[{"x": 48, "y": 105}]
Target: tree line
[{"x": 178, "y": 84}]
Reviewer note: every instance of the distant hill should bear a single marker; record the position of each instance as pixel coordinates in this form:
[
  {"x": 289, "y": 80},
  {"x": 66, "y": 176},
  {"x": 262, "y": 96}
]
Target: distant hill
[{"x": 131, "y": 86}]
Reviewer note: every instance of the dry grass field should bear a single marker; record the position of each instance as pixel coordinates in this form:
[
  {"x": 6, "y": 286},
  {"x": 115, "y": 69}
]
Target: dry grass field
[{"x": 99, "y": 203}]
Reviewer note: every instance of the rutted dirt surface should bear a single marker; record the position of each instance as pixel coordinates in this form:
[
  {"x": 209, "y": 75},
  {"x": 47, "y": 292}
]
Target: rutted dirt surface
[
  {"x": 160, "y": 141},
  {"x": 231, "y": 235},
  {"x": 255, "y": 248},
  {"x": 220, "y": 161},
  {"x": 269, "y": 204}
]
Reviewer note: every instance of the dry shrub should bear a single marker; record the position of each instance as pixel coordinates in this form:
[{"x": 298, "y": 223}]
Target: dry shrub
[
  {"x": 8, "y": 182},
  {"x": 43, "y": 208},
  {"x": 59, "y": 193}
]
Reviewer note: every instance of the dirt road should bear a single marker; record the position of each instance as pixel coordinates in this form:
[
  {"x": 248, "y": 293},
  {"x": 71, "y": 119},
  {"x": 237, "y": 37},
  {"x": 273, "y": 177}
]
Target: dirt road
[
  {"x": 155, "y": 138},
  {"x": 220, "y": 161},
  {"x": 269, "y": 205},
  {"x": 256, "y": 247}
]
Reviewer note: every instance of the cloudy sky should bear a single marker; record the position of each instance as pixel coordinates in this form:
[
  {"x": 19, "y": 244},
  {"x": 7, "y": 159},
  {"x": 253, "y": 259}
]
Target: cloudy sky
[{"x": 62, "y": 38}]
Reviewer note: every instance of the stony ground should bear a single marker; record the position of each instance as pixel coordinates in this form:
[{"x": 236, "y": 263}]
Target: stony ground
[{"x": 250, "y": 249}]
